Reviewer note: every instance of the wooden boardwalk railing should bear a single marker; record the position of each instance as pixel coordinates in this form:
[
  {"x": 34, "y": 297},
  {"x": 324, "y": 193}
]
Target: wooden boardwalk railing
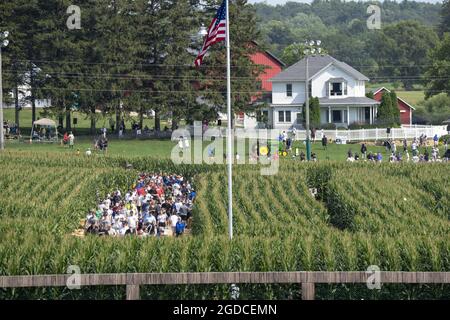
[{"x": 307, "y": 279}]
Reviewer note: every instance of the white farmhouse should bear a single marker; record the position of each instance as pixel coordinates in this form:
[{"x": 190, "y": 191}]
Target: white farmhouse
[{"x": 339, "y": 87}]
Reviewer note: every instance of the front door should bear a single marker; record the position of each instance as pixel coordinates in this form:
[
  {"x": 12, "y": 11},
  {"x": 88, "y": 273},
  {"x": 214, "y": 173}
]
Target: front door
[{"x": 367, "y": 114}]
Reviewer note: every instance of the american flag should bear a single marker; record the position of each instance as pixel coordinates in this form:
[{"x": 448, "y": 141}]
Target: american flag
[{"x": 216, "y": 32}]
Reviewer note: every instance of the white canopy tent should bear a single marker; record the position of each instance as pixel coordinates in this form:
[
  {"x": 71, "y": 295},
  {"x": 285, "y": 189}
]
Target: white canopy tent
[{"x": 45, "y": 122}]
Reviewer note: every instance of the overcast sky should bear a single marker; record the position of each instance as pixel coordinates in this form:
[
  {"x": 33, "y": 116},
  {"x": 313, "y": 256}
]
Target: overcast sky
[{"x": 274, "y": 2}]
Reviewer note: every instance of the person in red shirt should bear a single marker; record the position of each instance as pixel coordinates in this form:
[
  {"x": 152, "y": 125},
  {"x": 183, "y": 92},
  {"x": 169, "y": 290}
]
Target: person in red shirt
[{"x": 66, "y": 138}]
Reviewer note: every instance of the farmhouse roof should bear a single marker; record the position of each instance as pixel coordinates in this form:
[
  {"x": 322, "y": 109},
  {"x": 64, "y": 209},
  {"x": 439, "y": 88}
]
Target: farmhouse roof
[
  {"x": 348, "y": 101},
  {"x": 317, "y": 63}
]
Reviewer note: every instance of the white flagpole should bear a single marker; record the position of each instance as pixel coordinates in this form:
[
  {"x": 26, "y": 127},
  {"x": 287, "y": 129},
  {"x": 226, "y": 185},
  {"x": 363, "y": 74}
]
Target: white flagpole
[{"x": 229, "y": 136}]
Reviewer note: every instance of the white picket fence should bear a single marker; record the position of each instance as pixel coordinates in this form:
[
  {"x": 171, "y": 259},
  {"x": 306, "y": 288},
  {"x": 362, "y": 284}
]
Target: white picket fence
[
  {"x": 408, "y": 132},
  {"x": 376, "y": 134}
]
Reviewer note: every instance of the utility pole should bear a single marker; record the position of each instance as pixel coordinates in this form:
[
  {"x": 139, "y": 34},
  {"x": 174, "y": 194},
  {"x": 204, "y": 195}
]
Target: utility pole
[
  {"x": 311, "y": 48},
  {"x": 308, "y": 139},
  {"x": 3, "y": 43},
  {"x": 230, "y": 136}
]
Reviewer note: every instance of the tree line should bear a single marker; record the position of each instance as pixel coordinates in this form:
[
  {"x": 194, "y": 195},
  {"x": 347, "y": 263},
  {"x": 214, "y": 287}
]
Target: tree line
[
  {"x": 397, "y": 52},
  {"x": 411, "y": 49},
  {"x": 125, "y": 56}
]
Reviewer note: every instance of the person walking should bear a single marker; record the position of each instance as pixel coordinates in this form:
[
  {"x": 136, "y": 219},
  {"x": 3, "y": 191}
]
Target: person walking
[
  {"x": 414, "y": 148},
  {"x": 313, "y": 134},
  {"x": 363, "y": 151},
  {"x": 436, "y": 140},
  {"x": 71, "y": 140},
  {"x": 294, "y": 134},
  {"x": 393, "y": 147},
  {"x": 324, "y": 142}
]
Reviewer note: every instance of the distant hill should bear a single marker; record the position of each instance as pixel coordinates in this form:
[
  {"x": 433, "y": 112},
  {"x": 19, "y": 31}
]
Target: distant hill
[{"x": 395, "y": 53}]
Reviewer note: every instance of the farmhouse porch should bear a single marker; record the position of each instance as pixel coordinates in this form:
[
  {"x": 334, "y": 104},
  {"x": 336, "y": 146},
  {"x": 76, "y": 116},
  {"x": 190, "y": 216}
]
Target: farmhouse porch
[{"x": 343, "y": 112}]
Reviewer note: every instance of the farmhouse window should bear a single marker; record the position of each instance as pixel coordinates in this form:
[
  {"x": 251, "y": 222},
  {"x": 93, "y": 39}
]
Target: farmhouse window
[
  {"x": 288, "y": 116},
  {"x": 336, "y": 89},
  {"x": 337, "y": 116},
  {"x": 289, "y": 89}
]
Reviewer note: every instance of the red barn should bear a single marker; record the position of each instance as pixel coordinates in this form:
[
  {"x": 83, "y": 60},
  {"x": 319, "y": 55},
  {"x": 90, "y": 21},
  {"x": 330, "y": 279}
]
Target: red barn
[
  {"x": 273, "y": 66},
  {"x": 406, "y": 109}
]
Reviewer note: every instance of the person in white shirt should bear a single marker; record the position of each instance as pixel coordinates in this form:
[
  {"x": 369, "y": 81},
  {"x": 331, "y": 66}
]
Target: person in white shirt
[
  {"x": 150, "y": 219},
  {"x": 124, "y": 229},
  {"x": 414, "y": 148},
  {"x": 132, "y": 222},
  {"x": 176, "y": 189},
  {"x": 178, "y": 205},
  {"x": 162, "y": 218},
  {"x": 173, "y": 222},
  {"x": 71, "y": 140},
  {"x": 108, "y": 201}
]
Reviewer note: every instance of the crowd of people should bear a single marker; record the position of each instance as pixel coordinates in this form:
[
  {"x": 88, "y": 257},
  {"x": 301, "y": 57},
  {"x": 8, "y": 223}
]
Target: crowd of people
[
  {"x": 430, "y": 153},
  {"x": 157, "y": 205},
  {"x": 10, "y": 129}
]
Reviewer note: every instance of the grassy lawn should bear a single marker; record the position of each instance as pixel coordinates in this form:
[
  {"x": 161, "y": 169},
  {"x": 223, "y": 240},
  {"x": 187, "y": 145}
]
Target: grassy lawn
[
  {"x": 412, "y": 97},
  {"x": 163, "y": 148}
]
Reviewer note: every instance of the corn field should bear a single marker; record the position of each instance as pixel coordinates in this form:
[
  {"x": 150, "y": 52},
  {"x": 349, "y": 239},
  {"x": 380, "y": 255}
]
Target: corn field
[{"x": 392, "y": 216}]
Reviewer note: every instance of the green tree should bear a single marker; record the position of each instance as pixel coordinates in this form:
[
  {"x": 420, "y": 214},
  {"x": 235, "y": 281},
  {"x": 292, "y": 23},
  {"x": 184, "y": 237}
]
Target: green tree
[
  {"x": 400, "y": 50},
  {"x": 395, "y": 111},
  {"x": 169, "y": 71},
  {"x": 444, "y": 25},
  {"x": 314, "y": 112},
  {"x": 436, "y": 75},
  {"x": 244, "y": 73},
  {"x": 293, "y": 53},
  {"x": 437, "y": 108},
  {"x": 385, "y": 110},
  {"x": 21, "y": 18}
]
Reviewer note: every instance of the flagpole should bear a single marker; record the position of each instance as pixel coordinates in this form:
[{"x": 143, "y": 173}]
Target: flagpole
[{"x": 230, "y": 135}]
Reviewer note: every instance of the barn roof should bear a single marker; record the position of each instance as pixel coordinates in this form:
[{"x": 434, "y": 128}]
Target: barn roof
[
  {"x": 398, "y": 98},
  {"x": 271, "y": 55}
]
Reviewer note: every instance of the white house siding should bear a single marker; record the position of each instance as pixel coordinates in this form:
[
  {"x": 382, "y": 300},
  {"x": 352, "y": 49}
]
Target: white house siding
[
  {"x": 250, "y": 121},
  {"x": 353, "y": 115},
  {"x": 323, "y": 115},
  {"x": 279, "y": 95},
  {"x": 355, "y": 88},
  {"x": 295, "y": 113}
]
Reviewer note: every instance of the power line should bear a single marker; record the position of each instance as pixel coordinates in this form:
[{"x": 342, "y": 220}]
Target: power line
[
  {"x": 69, "y": 75},
  {"x": 193, "y": 67},
  {"x": 132, "y": 77},
  {"x": 177, "y": 91}
]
